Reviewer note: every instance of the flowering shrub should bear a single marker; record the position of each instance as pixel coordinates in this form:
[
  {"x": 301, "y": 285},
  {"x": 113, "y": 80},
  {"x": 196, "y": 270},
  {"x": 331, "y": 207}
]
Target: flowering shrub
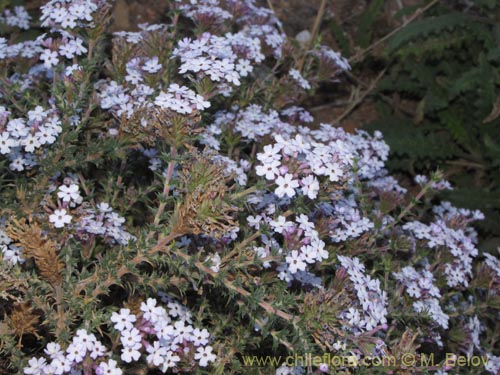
[{"x": 166, "y": 207}]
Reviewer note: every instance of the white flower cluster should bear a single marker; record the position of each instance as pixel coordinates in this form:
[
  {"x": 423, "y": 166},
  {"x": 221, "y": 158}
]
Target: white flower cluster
[
  {"x": 372, "y": 299},
  {"x": 69, "y": 196},
  {"x": 68, "y": 46},
  {"x": 295, "y": 162},
  {"x": 438, "y": 185},
  {"x": 136, "y": 37},
  {"x": 163, "y": 336},
  {"x": 290, "y": 370},
  {"x": 138, "y": 66},
  {"x": 299, "y": 161},
  {"x": 451, "y": 231},
  {"x": 166, "y": 335},
  {"x": 69, "y": 14},
  {"x": 134, "y": 96},
  {"x": 301, "y": 249},
  {"x": 420, "y": 286},
  {"x": 21, "y": 138},
  {"x": 226, "y": 58},
  {"x": 49, "y": 48},
  {"x": 84, "y": 351},
  {"x": 493, "y": 364},
  {"x": 101, "y": 221},
  {"x": 371, "y": 154}
]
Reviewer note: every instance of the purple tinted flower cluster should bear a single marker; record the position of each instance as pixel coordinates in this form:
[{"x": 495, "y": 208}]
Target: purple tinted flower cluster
[
  {"x": 252, "y": 122},
  {"x": 11, "y": 253},
  {"x": 238, "y": 170},
  {"x": 296, "y": 165},
  {"x": 332, "y": 61},
  {"x": 50, "y": 49},
  {"x": 372, "y": 300},
  {"x": 290, "y": 370},
  {"x": 301, "y": 81},
  {"x": 387, "y": 184},
  {"x": 104, "y": 222},
  {"x": 181, "y": 100},
  {"x": 18, "y": 17},
  {"x": 493, "y": 365},
  {"x": 450, "y": 230},
  {"x": 136, "y": 96},
  {"x": 297, "y": 115},
  {"x": 205, "y": 11},
  {"x": 345, "y": 220},
  {"x": 301, "y": 247},
  {"x": 124, "y": 101},
  {"x": 296, "y": 162},
  {"x": 254, "y": 21},
  {"x": 100, "y": 221}
]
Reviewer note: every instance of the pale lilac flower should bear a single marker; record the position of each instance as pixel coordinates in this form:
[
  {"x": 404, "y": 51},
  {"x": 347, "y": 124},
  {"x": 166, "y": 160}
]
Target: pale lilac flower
[
  {"x": 60, "y": 218},
  {"x": 36, "y": 366},
  {"x": 204, "y": 355},
  {"x": 295, "y": 262},
  {"x": 124, "y": 320},
  {"x": 49, "y": 58},
  {"x": 152, "y": 65},
  {"x": 108, "y": 368},
  {"x": 131, "y": 353},
  {"x": 157, "y": 354},
  {"x": 286, "y": 186}
]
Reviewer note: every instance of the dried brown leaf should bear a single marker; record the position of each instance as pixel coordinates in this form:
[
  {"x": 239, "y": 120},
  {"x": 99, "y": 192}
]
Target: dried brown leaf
[
  {"x": 23, "y": 320},
  {"x": 38, "y": 246}
]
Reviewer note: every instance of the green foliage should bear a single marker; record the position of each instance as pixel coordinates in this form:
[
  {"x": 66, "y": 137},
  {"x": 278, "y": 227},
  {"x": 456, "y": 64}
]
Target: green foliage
[
  {"x": 368, "y": 19},
  {"x": 444, "y": 76}
]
